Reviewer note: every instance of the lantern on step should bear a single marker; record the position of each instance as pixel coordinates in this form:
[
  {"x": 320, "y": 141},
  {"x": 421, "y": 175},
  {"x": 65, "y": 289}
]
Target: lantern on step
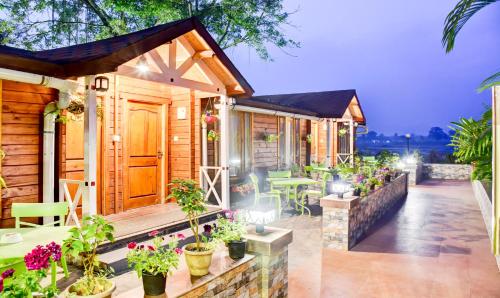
[{"x": 101, "y": 84}]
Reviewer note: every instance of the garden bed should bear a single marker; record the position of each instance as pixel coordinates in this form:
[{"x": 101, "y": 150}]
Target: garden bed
[{"x": 346, "y": 221}]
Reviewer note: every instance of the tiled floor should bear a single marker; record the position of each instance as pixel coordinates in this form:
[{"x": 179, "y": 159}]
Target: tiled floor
[{"x": 435, "y": 245}]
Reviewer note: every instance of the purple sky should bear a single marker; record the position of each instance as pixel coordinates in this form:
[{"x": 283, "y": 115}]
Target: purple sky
[{"x": 390, "y": 52}]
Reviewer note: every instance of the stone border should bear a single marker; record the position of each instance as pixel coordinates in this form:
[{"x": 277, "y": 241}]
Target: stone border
[
  {"x": 446, "y": 171},
  {"x": 486, "y": 208},
  {"x": 346, "y": 221}
]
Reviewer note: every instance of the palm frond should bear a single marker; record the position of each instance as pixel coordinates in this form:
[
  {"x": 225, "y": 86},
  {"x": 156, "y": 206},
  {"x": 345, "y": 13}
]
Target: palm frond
[
  {"x": 457, "y": 18},
  {"x": 491, "y": 81}
]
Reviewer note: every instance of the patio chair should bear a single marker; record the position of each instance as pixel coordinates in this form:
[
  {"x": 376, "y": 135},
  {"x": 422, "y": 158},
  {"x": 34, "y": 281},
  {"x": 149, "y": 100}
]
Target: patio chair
[
  {"x": 39, "y": 210},
  {"x": 279, "y": 175},
  {"x": 272, "y": 195},
  {"x": 316, "y": 192},
  {"x": 61, "y": 209}
]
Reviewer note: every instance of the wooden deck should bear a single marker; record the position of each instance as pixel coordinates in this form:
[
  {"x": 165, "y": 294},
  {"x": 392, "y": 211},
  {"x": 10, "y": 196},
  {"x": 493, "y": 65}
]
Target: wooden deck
[{"x": 143, "y": 220}]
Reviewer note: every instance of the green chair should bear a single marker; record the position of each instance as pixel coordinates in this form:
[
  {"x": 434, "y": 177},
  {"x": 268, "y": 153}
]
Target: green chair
[
  {"x": 277, "y": 175},
  {"x": 61, "y": 209},
  {"x": 20, "y": 210},
  {"x": 315, "y": 192},
  {"x": 272, "y": 195}
]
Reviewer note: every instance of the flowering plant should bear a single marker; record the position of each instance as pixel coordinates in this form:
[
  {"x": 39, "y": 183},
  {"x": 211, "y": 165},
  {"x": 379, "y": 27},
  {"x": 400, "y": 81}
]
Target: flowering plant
[
  {"x": 155, "y": 259},
  {"x": 83, "y": 243},
  {"x": 243, "y": 189},
  {"x": 229, "y": 227},
  {"x": 212, "y": 135},
  {"x": 37, "y": 262}
]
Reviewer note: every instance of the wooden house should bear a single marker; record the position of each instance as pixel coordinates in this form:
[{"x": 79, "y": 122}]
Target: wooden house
[{"x": 136, "y": 123}]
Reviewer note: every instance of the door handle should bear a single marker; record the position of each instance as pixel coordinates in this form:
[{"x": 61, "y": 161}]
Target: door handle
[{"x": 160, "y": 154}]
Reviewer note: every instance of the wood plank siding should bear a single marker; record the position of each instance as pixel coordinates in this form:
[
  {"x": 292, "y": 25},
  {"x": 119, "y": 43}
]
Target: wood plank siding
[{"x": 22, "y": 128}]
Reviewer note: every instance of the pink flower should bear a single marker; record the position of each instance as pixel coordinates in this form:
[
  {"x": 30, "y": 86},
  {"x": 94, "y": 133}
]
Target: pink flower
[
  {"x": 55, "y": 250},
  {"x": 38, "y": 258},
  {"x": 8, "y": 273},
  {"x": 151, "y": 248},
  {"x": 181, "y": 236},
  {"x": 178, "y": 250},
  {"x": 141, "y": 246},
  {"x": 132, "y": 245},
  {"x": 153, "y": 233}
]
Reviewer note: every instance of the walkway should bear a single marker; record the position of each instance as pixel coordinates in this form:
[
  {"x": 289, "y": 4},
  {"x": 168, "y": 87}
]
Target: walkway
[{"x": 435, "y": 245}]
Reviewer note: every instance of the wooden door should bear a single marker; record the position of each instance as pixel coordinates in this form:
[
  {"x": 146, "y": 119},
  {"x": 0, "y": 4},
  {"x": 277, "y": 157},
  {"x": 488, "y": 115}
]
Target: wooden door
[{"x": 144, "y": 154}]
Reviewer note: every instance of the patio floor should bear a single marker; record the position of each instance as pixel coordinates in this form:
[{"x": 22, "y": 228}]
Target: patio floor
[{"x": 435, "y": 245}]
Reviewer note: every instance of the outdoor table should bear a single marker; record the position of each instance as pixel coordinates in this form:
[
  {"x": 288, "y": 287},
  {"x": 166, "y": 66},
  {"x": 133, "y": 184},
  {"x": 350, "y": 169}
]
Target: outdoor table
[{"x": 293, "y": 183}]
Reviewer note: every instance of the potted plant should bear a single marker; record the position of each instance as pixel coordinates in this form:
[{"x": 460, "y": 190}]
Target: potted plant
[
  {"x": 209, "y": 118},
  {"x": 190, "y": 197},
  {"x": 28, "y": 282},
  {"x": 231, "y": 229},
  {"x": 309, "y": 138},
  {"x": 154, "y": 262},
  {"x": 82, "y": 244},
  {"x": 374, "y": 183},
  {"x": 212, "y": 135}
]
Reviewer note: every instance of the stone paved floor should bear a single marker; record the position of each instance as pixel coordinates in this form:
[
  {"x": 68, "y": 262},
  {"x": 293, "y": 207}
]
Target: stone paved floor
[{"x": 435, "y": 245}]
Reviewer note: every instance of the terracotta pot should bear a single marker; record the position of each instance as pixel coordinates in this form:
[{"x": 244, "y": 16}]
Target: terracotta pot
[
  {"x": 153, "y": 285},
  {"x": 198, "y": 261},
  {"x": 105, "y": 294}
]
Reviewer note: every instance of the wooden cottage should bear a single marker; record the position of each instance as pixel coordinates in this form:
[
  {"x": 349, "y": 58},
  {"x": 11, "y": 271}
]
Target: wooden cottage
[{"x": 133, "y": 106}]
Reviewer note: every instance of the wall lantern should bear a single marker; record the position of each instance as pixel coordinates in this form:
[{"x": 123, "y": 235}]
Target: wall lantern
[{"x": 101, "y": 84}]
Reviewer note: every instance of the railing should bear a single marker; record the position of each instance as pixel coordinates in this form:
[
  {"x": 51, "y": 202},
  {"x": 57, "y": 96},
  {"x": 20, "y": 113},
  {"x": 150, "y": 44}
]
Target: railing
[
  {"x": 208, "y": 183},
  {"x": 344, "y": 158},
  {"x": 65, "y": 195}
]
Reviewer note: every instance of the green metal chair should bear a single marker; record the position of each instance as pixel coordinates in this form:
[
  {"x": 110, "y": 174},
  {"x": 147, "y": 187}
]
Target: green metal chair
[
  {"x": 315, "y": 192},
  {"x": 276, "y": 175},
  {"x": 273, "y": 194},
  {"x": 20, "y": 210},
  {"x": 61, "y": 209}
]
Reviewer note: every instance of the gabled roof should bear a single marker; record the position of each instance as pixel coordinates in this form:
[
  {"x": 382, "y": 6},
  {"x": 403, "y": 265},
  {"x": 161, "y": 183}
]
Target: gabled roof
[
  {"x": 326, "y": 104},
  {"x": 107, "y": 54}
]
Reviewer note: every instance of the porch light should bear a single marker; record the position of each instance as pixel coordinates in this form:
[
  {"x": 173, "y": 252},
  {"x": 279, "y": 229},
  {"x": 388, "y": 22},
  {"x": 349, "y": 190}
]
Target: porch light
[
  {"x": 259, "y": 217},
  {"x": 142, "y": 65},
  {"x": 410, "y": 160},
  {"x": 338, "y": 187},
  {"x": 101, "y": 84}
]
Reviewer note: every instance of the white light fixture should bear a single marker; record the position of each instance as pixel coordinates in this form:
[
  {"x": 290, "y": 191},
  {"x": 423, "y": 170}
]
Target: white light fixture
[
  {"x": 410, "y": 160},
  {"x": 142, "y": 65},
  {"x": 339, "y": 188},
  {"x": 259, "y": 217}
]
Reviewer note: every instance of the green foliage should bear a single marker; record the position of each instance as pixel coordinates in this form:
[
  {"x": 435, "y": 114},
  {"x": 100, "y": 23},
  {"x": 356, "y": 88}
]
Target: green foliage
[
  {"x": 83, "y": 244},
  {"x": 45, "y": 24},
  {"x": 472, "y": 143},
  {"x": 385, "y": 158},
  {"x": 230, "y": 228},
  {"x": 26, "y": 283},
  {"x": 155, "y": 259},
  {"x": 190, "y": 197}
]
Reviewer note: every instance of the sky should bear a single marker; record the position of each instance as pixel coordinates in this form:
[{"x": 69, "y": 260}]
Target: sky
[{"x": 389, "y": 51}]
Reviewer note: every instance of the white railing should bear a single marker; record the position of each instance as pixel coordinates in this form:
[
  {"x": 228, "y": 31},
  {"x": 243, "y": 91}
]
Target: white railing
[
  {"x": 344, "y": 158},
  {"x": 64, "y": 195},
  {"x": 208, "y": 183}
]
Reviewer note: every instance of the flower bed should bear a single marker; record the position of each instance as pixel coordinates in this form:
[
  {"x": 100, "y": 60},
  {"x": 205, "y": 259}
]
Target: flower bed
[{"x": 347, "y": 220}]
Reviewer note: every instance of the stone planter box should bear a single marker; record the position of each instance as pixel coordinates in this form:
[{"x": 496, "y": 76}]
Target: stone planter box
[
  {"x": 346, "y": 221},
  {"x": 446, "y": 171}
]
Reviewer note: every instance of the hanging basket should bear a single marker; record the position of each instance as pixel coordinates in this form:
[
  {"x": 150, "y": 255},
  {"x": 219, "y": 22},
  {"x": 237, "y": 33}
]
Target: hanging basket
[
  {"x": 212, "y": 136},
  {"x": 209, "y": 118},
  {"x": 76, "y": 107}
]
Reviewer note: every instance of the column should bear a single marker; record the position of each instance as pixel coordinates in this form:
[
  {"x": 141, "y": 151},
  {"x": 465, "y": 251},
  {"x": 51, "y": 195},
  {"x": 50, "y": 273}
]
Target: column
[
  {"x": 89, "y": 199},
  {"x": 224, "y": 150},
  {"x": 496, "y": 171}
]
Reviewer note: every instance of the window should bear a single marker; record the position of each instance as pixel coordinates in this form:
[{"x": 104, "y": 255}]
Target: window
[
  {"x": 240, "y": 145},
  {"x": 289, "y": 142}
]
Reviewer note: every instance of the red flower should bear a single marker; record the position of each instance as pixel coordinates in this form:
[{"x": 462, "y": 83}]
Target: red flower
[
  {"x": 132, "y": 245},
  {"x": 38, "y": 258},
  {"x": 151, "y": 247},
  {"x": 153, "y": 233},
  {"x": 55, "y": 250},
  {"x": 141, "y": 246},
  {"x": 178, "y": 250},
  {"x": 181, "y": 236},
  {"x": 1, "y": 285},
  {"x": 8, "y": 273}
]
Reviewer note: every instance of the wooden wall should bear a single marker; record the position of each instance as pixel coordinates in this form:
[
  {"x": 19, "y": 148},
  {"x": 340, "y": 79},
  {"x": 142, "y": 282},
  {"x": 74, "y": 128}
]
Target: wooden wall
[
  {"x": 265, "y": 154},
  {"x": 22, "y": 123}
]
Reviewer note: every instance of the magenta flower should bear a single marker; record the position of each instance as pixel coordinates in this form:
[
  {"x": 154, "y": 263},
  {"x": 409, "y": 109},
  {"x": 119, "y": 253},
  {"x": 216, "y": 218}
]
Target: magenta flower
[
  {"x": 151, "y": 248},
  {"x": 153, "y": 233},
  {"x": 141, "y": 246},
  {"x": 181, "y": 236},
  {"x": 8, "y": 273},
  {"x": 132, "y": 245},
  {"x": 55, "y": 251},
  {"x": 178, "y": 250},
  {"x": 38, "y": 258},
  {"x": 1, "y": 285},
  {"x": 207, "y": 229}
]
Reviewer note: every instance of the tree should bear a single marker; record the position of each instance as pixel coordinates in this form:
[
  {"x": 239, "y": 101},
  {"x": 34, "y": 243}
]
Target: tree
[
  {"x": 454, "y": 22},
  {"x": 437, "y": 133},
  {"x": 44, "y": 24}
]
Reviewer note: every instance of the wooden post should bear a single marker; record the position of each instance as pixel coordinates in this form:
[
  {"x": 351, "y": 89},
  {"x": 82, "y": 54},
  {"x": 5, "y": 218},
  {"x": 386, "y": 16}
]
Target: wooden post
[
  {"x": 328, "y": 158},
  {"x": 496, "y": 171},
  {"x": 224, "y": 150},
  {"x": 89, "y": 202},
  {"x": 351, "y": 141}
]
